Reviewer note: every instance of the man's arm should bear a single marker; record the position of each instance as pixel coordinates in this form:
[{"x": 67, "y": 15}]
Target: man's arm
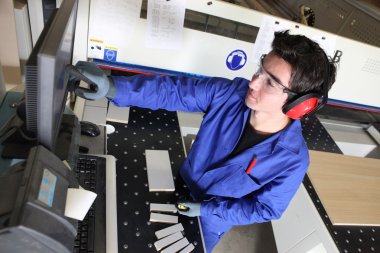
[
  {"x": 154, "y": 92},
  {"x": 170, "y": 92},
  {"x": 264, "y": 205}
]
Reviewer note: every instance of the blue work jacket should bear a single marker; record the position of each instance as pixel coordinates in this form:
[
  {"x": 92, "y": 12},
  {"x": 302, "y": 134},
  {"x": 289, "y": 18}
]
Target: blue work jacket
[{"x": 220, "y": 180}]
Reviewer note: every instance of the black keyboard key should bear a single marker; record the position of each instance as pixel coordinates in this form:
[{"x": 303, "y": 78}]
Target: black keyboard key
[
  {"x": 91, "y": 235},
  {"x": 91, "y": 231}
]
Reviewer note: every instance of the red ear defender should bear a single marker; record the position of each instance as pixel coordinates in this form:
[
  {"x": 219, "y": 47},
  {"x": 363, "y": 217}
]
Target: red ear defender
[
  {"x": 307, "y": 104},
  {"x": 301, "y": 106}
]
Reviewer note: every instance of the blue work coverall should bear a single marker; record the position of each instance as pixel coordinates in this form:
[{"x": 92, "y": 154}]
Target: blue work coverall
[{"x": 230, "y": 194}]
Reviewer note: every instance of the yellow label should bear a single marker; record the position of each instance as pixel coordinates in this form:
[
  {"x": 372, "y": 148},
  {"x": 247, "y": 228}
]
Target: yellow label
[
  {"x": 111, "y": 48},
  {"x": 95, "y": 40}
]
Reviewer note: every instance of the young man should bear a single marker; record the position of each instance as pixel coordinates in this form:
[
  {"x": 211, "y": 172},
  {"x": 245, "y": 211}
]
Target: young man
[{"x": 249, "y": 157}]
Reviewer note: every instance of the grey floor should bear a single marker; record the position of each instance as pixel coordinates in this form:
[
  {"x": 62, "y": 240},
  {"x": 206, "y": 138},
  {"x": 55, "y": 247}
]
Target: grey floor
[{"x": 256, "y": 238}]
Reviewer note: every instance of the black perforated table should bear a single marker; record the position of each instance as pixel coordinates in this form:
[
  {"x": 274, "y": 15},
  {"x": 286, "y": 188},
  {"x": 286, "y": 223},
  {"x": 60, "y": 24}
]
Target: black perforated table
[{"x": 146, "y": 129}]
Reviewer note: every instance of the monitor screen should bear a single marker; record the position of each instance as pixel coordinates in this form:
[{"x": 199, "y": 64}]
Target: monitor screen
[
  {"x": 47, "y": 187},
  {"x": 45, "y": 78}
]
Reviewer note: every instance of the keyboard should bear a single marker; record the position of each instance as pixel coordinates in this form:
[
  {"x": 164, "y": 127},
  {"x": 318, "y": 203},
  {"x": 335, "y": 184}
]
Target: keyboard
[{"x": 91, "y": 174}]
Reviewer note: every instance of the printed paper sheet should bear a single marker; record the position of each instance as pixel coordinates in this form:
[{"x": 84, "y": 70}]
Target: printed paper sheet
[{"x": 165, "y": 24}]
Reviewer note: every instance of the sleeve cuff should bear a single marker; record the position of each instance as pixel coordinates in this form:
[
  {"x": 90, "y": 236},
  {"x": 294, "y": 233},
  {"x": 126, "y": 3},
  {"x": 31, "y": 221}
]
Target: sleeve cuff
[
  {"x": 209, "y": 207},
  {"x": 112, "y": 89}
]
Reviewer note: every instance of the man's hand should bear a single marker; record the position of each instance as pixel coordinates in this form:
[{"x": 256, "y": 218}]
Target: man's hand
[
  {"x": 192, "y": 208},
  {"x": 101, "y": 86}
]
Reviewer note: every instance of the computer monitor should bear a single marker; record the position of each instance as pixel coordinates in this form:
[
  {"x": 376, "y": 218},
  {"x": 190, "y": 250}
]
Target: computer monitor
[
  {"x": 33, "y": 199},
  {"x": 46, "y": 83}
]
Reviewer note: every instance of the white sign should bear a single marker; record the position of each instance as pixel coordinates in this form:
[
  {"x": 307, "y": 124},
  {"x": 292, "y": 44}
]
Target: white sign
[
  {"x": 165, "y": 24},
  {"x": 111, "y": 21}
]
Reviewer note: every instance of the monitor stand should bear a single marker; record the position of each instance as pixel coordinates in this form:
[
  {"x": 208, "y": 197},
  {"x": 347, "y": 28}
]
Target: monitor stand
[{"x": 15, "y": 138}]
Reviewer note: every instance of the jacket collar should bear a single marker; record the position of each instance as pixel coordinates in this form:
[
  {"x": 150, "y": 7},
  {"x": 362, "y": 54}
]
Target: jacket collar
[{"x": 288, "y": 138}]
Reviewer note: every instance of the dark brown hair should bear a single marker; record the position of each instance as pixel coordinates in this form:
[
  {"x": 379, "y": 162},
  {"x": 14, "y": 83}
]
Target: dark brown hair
[{"x": 310, "y": 65}]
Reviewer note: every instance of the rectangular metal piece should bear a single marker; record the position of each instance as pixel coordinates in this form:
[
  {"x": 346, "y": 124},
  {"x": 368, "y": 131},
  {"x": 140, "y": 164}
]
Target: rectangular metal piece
[
  {"x": 103, "y": 102},
  {"x": 168, "y": 240},
  {"x": 95, "y": 114},
  {"x": 160, "y": 177},
  {"x": 168, "y": 231},
  {"x": 188, "y": 248},
  {"x": 374, "y": 133},
  {"x": 118, "y": 114},
  {"x": 168, "y": 208},
  {"x": 163, "y": 218},
  {"x": 111, "y": 202},
  {"x": 176, "y": 246}
]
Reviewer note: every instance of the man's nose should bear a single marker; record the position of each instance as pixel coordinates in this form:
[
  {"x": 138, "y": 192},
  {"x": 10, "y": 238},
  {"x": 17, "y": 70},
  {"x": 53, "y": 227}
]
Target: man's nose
[{"x": 255, "y": 83}]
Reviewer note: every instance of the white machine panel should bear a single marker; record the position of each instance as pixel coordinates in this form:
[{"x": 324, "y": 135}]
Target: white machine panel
[{"x": 202, "y": 53}]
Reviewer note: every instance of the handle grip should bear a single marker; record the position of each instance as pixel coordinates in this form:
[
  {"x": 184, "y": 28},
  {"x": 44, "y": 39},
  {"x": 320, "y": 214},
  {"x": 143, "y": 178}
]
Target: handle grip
[{"x": 75, "y": 77}]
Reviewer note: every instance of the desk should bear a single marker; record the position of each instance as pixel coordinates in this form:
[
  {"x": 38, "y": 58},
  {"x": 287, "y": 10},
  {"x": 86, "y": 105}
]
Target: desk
[
  {"x": 96, "y": 145},
  {"x": 146, "y": 129},
  {"x": 307, "y": 217},
  {"x": 348, "y": 186}
]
